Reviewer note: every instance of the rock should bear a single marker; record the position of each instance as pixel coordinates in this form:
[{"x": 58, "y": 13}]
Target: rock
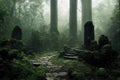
[
  {"x": 103, "y": 40},
  {"x": 68, "y": 53},
  {"x": 17, "y": 33},
  {"x": 88, "y": 34},
  {"x": 108, "y": 56},
  {"x": 93, "y": 45},
  {"x": 71, "y": 57}
]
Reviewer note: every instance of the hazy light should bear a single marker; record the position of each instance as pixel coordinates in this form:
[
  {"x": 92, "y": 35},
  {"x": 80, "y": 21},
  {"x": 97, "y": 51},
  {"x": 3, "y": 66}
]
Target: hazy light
[
  {"x": 95, "y": 3},
  {"x": 46, "y": 13},
  {"x": 27, "y": 1},
  {"x": 63, "y": 12}
]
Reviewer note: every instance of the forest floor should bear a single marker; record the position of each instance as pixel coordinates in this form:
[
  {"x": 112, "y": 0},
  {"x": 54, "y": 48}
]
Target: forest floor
[
  {"x": 55, "y": 70},
  {"x": 58, "y": 68}
]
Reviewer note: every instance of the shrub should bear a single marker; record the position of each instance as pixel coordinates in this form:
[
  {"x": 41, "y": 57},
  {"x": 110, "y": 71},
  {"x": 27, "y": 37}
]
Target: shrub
[
  {"x": 77, "y": 70},
  {"x": 15, "y": 65}
]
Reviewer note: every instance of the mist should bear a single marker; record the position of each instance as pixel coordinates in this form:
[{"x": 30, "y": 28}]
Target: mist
[
  {"x": 35, "y": 15},
  {"x": 59, "y": 39},
  {"x": 101, "y": 19}
]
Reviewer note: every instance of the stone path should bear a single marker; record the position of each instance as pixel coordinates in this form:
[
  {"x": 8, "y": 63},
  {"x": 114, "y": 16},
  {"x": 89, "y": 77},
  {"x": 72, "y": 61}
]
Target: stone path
[
  {"x": 70, "y": 56},
  {"x": 54, "y": 72}
]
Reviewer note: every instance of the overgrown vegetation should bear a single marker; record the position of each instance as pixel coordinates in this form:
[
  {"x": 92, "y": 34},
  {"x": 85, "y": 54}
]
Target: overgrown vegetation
[
  {"x": 33, "y": 35},
  {"x": 15, "y": 64},
  {"x": 115, "y": 27}
]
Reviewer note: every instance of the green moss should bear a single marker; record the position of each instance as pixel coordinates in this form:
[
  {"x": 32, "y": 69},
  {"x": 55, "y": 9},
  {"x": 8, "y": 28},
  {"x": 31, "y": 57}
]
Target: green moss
[
  {"x": 118, "y": 78},
  {"x": 101, "y": 71},
  {"x": 41, "y": 71},
  {"x": 15, "y": 65},
  {"x": 78, "y": 75}
]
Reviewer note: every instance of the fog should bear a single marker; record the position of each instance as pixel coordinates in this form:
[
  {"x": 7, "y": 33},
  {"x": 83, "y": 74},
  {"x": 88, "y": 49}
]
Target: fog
[
  {"x": 59, "y": 39},
  {"x": 35, "y": 15},
  {"x": 102, "y": 11}
]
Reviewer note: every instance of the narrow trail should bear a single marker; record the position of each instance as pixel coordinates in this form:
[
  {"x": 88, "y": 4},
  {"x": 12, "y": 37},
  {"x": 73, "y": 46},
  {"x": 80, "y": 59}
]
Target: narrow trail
[{"x": 54, "y": 72}]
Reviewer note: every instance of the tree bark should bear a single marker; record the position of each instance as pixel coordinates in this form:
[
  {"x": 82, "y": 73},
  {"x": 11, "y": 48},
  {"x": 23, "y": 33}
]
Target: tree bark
[
  {"x": 119, "y": 4},
  {"x": 54, "y": 34},
  {"x": 86, "y": 13},
  {"x": 54, "y": 18},
  {"x": 73, "y": 18}
]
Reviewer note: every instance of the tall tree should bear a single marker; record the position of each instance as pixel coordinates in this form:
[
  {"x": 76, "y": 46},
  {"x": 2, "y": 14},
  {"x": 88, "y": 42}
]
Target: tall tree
[
  {"x": 54, "y": 34},
  {"x": 86, "y": 13},
  {"x": 54, "y": 18},
  {"x": 73, "y": 18},
  {"x": 119, "y": 4}
]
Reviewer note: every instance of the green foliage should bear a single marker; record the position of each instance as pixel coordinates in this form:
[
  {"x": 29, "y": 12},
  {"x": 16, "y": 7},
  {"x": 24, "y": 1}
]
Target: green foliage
[
  {"x": 41, "y": 71},
  {"x": 77, "y": 70},
  {"x": 15, "y": 65},
  {"x": 3, "y": 12},
  {"x": 57, "y": 60},
  {"x": 118, "y": 78},
  {"x": 78, "y": 75},
  {"x": 115, "y": 27},
  {"x": 101, "y": 71},
  {"x": 34, "y": 42},
  {"x": 78, "y": 66}
]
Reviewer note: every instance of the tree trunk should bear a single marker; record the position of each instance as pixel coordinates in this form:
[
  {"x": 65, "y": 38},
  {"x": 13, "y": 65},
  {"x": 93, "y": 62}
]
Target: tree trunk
[
  {"x": 86, "y": 13},
  {"x": 54, "y": 18},
  {"x": 119, "y": 4},
  {"x": 54, "y": 34},
  {"x": 73, "y": 18}
]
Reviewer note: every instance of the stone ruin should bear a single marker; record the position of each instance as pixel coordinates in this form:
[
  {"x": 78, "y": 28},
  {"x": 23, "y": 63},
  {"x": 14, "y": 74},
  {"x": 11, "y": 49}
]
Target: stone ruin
[
  {"x": 97, "y": 53},
  {"x": 17, "y": 33},
  {"x": 88, "y": 34}
]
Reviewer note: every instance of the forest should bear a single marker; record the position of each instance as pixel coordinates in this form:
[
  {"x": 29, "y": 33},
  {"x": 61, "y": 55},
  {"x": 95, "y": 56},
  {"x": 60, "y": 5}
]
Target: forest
[{"x": 59, "y": 39}]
